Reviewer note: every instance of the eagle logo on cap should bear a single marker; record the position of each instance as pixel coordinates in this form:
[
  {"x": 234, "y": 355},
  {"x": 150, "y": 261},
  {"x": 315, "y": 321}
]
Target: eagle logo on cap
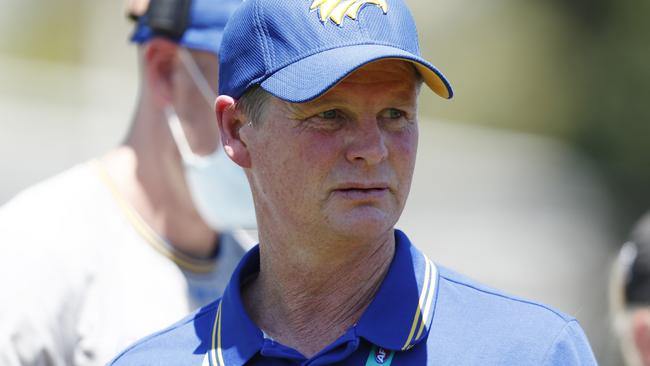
[{"x": 337, "y": 10}]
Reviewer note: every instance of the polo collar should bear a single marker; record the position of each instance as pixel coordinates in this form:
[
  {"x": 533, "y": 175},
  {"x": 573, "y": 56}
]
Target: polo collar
[
  {"x": 401, "y": 313},
  {"x": 398, "y": 318},
  {"x": 235, "y": 338}
]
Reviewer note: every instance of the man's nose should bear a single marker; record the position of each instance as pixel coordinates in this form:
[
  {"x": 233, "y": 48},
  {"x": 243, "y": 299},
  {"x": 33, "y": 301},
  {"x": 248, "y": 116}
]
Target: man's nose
[{"x": 367, "y": 143}]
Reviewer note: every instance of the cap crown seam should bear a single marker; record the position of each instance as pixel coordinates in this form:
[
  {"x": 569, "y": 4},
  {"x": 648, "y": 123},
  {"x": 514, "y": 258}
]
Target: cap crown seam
[
  {"x": 417, "y": 36},
  {"x": 270, "y": 48},
  {"x": 361, "y": 28},
  {"x": 262, "y": 39}
]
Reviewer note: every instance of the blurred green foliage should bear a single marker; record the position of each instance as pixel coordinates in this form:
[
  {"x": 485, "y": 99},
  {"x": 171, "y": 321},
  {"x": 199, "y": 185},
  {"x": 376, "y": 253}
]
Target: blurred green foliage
[{"x": 613, "y": 78}]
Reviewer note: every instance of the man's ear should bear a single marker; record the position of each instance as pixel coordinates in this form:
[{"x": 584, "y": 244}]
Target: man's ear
[
  {"x": 230, "y": 122},
  {"x": 160, "y": 63}
]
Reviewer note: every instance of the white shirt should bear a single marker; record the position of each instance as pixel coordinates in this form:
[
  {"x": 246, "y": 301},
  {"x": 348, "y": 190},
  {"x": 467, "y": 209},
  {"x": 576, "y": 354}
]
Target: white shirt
[{"x": 82, "y": 276}]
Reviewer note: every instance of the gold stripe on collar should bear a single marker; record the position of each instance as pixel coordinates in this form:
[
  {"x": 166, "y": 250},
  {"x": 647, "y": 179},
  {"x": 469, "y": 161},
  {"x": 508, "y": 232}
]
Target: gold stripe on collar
[
  {"x": 427, "y": 308},
  {"x": 216, "y": 355},
  {"x": 424, "y": 302}
]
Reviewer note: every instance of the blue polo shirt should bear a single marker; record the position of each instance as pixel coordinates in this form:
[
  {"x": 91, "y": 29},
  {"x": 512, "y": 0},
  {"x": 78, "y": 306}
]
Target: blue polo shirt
[{"x": 422, "y": 314}]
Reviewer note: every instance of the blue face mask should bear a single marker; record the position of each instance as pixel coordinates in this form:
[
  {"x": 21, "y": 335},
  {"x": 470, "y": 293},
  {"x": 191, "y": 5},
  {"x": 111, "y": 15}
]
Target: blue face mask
[{"x": 218, "y": 186}]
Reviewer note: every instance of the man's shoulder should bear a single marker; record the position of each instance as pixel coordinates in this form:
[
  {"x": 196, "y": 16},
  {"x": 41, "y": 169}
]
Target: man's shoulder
[
  {"x": 455, "y": 287},
  {"x": 510, "y": 328},
  {"x": 185, "y": 342}
]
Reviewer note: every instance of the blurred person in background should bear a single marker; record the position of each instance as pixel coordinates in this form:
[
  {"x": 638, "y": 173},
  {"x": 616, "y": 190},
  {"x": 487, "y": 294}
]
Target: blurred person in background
[
  {"x": 630, "y": 295},
  {"x": 115, "y": 248}
]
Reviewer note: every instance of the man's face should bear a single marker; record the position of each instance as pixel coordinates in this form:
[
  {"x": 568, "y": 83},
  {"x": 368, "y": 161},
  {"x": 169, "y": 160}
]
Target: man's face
[
  {"x": 194, "y": 108},
  {"x": 341, "y": 164}
]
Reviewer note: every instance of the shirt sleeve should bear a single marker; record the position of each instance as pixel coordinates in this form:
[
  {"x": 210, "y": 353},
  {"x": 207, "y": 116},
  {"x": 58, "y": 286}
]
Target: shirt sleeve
[{"x": 570, "y": 347}]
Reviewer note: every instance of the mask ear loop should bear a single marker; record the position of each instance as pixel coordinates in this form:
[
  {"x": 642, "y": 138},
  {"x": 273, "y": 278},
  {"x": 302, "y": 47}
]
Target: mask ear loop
[
  {"x": 208, "y": 94},
  {"x": 197, "y": 76},
  {"x": 179, "y": 135}
]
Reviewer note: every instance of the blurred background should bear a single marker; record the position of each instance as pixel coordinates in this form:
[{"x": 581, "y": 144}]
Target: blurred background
[{"x": 528, "y": 180}]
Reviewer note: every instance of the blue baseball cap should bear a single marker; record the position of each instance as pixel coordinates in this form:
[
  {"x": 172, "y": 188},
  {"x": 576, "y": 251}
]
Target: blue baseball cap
[
  {"x": 299, "y": 49},
  {"x": 204, "y": 27}
]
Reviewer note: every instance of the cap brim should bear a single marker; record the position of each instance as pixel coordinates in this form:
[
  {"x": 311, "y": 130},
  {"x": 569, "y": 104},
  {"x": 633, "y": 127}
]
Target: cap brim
[{"x": 310, "y": 77}]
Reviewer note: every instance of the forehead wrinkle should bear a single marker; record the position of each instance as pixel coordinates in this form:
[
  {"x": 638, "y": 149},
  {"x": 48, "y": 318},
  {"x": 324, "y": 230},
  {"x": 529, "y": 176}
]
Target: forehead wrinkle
[
  {"x": 396, "y": 84},
  {"x": 389, "y": 83},
  {"x": 395, "y": 91},
  {"x": 390, "y": 69}
]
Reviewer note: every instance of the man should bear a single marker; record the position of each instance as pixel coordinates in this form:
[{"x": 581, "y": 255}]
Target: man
[
  {"x": 111, "y": 250},
  {"x": 630, "y": 295},
  {"x": 319, "y": 106}
]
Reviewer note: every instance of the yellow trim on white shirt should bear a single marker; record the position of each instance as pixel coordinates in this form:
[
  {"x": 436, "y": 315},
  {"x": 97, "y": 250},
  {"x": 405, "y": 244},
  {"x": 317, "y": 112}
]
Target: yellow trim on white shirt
[{"x": 145, "y": 231}]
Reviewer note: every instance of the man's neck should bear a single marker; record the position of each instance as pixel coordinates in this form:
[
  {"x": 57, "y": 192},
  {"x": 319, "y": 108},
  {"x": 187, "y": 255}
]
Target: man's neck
[
  {"x": 148, "y": 173},
  {"x": 307, "y": 303}
]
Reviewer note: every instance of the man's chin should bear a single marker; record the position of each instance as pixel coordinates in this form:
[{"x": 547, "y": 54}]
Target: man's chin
[{"x": 363, "y": 222}]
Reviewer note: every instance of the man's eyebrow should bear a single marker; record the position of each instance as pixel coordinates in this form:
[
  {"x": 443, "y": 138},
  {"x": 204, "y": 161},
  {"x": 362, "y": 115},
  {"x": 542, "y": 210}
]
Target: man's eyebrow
[
  {"x": 326, "y": 101},
  {"x": 317, "y": 104}
]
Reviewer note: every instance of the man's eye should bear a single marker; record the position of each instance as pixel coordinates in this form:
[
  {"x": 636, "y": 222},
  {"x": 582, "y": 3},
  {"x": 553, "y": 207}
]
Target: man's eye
[
  {"x": 393, "y": 113},
  {"x": 329, "y": 120},
  {"x": 395, "y": 119},
  {"x": 331, "y": 114}
]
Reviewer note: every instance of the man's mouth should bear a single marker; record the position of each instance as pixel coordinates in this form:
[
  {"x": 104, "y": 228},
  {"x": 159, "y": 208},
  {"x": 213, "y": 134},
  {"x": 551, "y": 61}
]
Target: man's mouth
[{"x": 362, "y": 191}]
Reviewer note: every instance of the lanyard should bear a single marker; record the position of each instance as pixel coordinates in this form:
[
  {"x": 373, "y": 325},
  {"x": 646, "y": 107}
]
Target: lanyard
[{"x": 379, "y": 357}]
